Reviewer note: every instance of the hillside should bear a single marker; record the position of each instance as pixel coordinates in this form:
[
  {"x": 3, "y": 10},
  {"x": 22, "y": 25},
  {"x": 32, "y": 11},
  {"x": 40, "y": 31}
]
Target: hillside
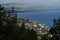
[{"x": 40, "y": 29}]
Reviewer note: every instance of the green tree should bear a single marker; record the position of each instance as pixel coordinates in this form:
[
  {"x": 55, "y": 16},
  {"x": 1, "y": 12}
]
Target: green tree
[
  {"x": 30, "y": 35},
  {"x": 55, "y": 30},
  {"x": 22, "y": 31},
  {"x": 44, "y": 37},
  {"x": 8, "y": 25},
  {"x": 9, "y": 30},
  {"x": 2, "y": 22},
  {"x": 27, "y": 34},
  {"x": 33, "y": 35}
]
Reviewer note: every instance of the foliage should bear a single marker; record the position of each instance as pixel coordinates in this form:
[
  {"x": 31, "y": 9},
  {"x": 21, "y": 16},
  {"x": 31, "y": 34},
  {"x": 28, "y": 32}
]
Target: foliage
[
  {"x": 9, "y": 30},
  {"x": 55, "y": 30},
  {"x": 45, "y": 37}
]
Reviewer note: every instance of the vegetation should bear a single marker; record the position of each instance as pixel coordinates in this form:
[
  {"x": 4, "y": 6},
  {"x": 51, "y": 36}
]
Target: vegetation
[
  {"x": 9, "y": 30},
  {"x": 55, "y": 30}
]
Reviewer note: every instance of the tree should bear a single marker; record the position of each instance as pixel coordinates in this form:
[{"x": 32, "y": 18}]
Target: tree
[
  {"x": 30, "y": 35},
  {"x": 55, "y": 30},
  {"x": 9, "y": 30},
  {"x": 22, "y": 31},
  {"x": 27, "y": 34},
  {"x": 8, "y": 25},
  {"x": 44, "y": 37},
  {"x": 33, "y": 35},
  {"x": 2, "y": 22}
]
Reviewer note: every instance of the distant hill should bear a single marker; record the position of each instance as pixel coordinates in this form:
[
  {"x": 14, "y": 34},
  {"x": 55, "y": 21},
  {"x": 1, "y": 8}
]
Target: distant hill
[
  {"x": 27, "y": 7},
  {"x": 20, "y": 6}
]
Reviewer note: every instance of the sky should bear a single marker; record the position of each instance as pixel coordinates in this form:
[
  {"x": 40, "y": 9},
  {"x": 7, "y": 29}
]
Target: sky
[{"x": 35, "y": 2}]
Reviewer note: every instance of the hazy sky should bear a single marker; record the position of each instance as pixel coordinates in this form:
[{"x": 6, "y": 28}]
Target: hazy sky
[{"x": 34, "y": 2}]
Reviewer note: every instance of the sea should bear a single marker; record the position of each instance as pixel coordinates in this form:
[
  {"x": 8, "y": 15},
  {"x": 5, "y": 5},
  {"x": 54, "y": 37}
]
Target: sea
[{"x": 42, "y": 16}]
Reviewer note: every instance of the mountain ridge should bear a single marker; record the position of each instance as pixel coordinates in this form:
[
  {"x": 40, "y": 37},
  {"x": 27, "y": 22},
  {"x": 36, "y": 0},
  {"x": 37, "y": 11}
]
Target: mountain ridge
[{"x": 26, "y": 7}]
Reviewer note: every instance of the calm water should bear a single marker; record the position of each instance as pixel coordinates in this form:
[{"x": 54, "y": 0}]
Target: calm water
[{"x": 44, "y": 17}]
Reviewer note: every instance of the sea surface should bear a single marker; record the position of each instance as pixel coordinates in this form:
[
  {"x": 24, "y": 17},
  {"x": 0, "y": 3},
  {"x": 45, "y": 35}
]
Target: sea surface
[{"x": 42, "y": 16}]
